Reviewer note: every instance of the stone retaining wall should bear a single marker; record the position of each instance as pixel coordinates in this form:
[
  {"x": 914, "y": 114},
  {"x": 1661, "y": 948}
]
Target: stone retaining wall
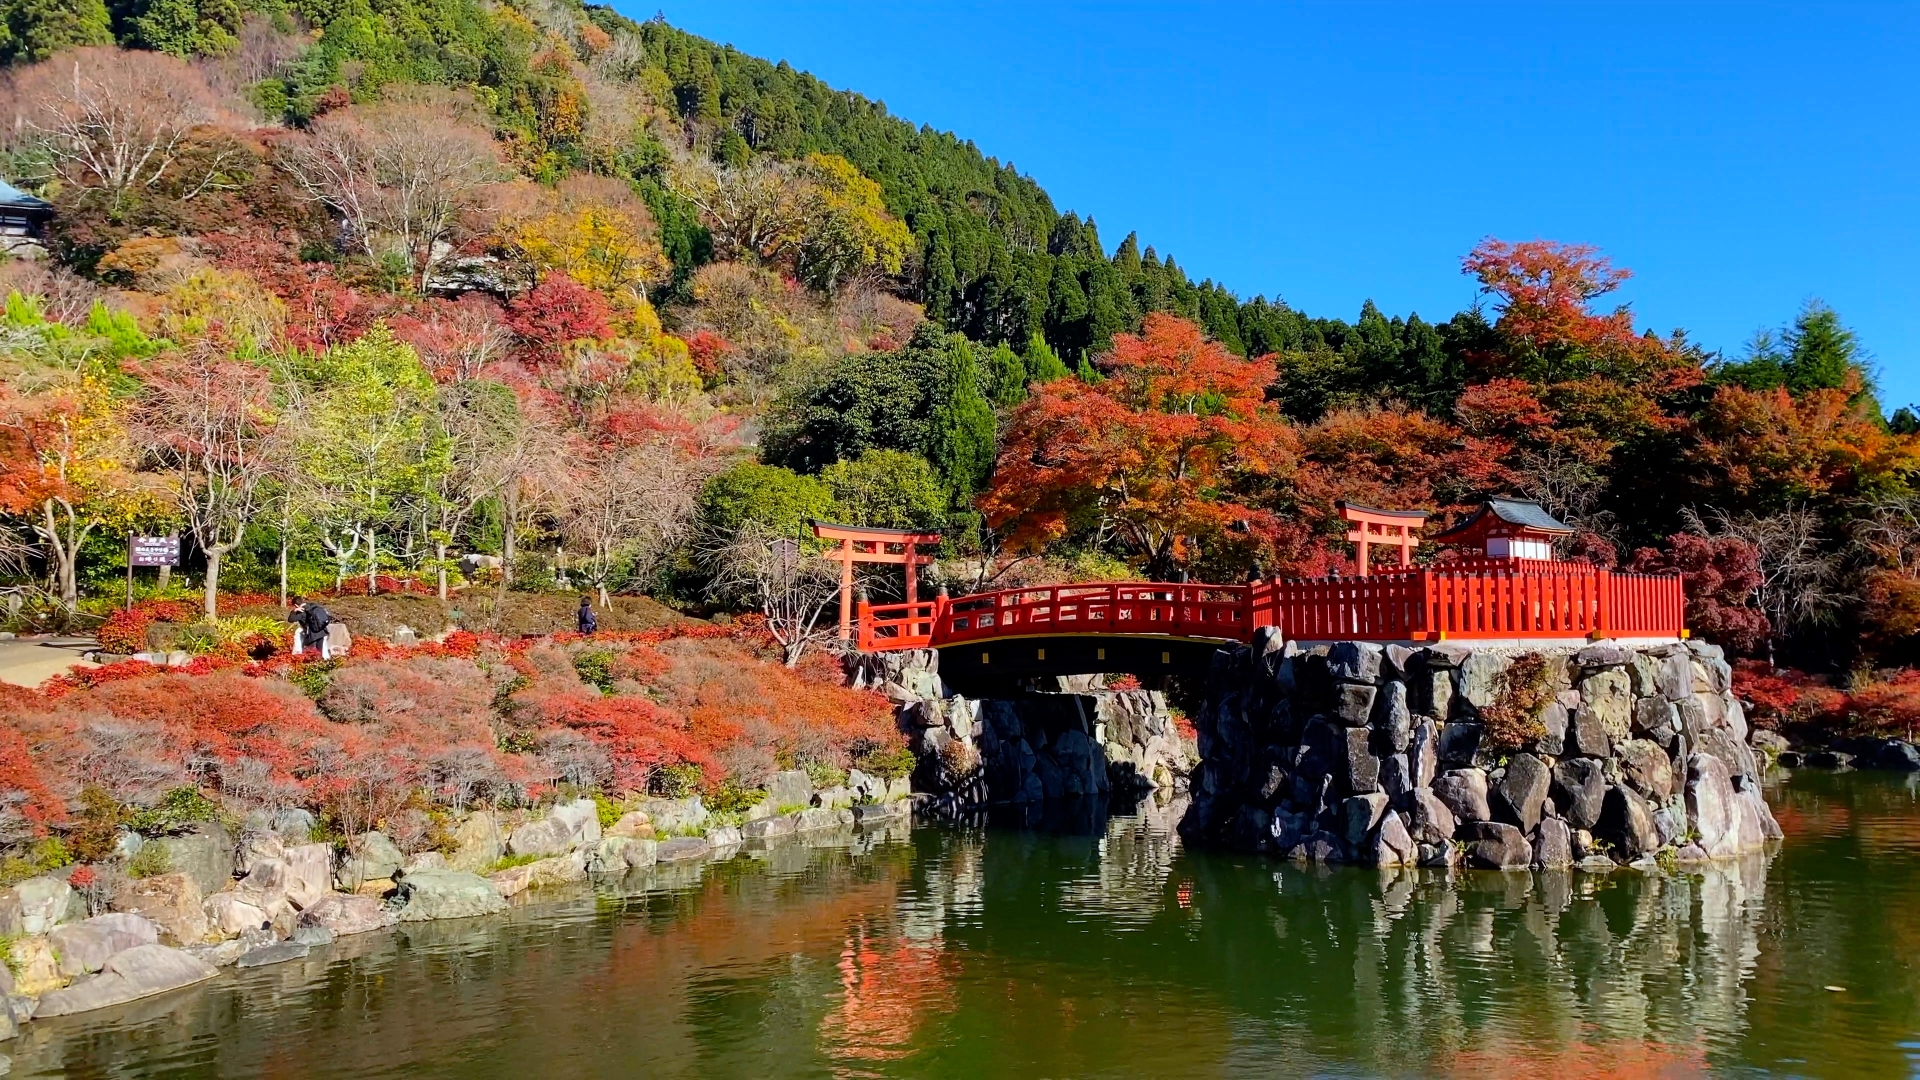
[{"x": 1393, "y": 756}]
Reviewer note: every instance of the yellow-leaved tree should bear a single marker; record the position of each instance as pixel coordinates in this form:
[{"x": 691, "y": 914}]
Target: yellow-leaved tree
[{"x": 594, "y": 230}]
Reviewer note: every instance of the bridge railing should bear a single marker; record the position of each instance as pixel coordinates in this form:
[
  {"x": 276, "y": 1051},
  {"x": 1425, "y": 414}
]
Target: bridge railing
[{"x": 1460, "y": 601}]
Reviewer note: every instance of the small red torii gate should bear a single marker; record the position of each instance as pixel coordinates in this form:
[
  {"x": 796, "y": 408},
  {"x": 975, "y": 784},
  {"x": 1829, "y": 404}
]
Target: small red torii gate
[
  {"x": 860, "y": 544},
  {"x": 1385, "y": 527}
]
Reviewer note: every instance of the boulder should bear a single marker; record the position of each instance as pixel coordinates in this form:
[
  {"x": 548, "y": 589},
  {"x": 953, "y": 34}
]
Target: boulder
[
  {"x": 818, "y": 817},
  {"x": 171, "y": 901},
  {"x": 45, "y": 902},
  {"x": 566, "y": 826},
  {"x": 1771, "y": 743},
  {"x": 1354, "y": 661},
  {"x": 311, "y": 936},
  {"x": 868, "y": 788},
  {"x": 294, "y": 825},
  {"x": 1498, "y": 846},
  {"x": 344, "y": 915},
  {"x": 687, "y": 848},
  {"x": 1521, "y": 794},
  {"x": 1428, "y": 819},
  {"x": 87, "y": 945},
  {"x": 309, "y": 873},
  {"x": 1580, "y": 791},
  {"x": 256, "y": 846},
  {"x": 1626, "y": 822},
  {"x": 1459, "y": 743},
  {"x": 1673, "y": 677},
  {"x": 1399, "y": 660},
  {"x": 568, "y": 869},
  {"x": 205, "y": 855},
  {"x": 1360, "y": 814},
  {"x": 446, "y": 894},
  {"x": 790, "y": 789},
  {"x": 1608, "y": 696},
  {"x": 424, "y": 860},
  {"x": 1896, "y": 755},
  {"x": 1390, "y": 844},
  {"x": 1587, "y": 734},
  {"x": 641, "y": 853},
  {"x": 1392, "y": 720},
  {"x": 1656, "y": 718},
  {"x": 676, "y": 815},
  {"x": 769, "y": 828},
  {"x": 1553, "y": 721},
  {"x": 1481, "y": 677},
  {"x": 1647, "y": 769},
  {"x": 1423, "y": 751},
  {"x": 1553, "y": 845},
  {"x": 1430, "y": 693},
  {"x": 277, "y": 953},
  {"x": 609, "y": 856},
  {"x": 1396, "y": 777},
  {"x": 729, "y": 835},
  {"x": 34, "y": 967},
  {"x": 477, "y": 843},
  {"x": 370, "y": 857},
  {"x": 1359, "y": 769},
  {"x": 232, "y": 913},
  {"x": 1669, "y": 824},
  {"x": 634, "y": 823},
  {"x": 141, "y": 971},
  {"x": 11, "y": 923},
  {"x": 1710, "y": 806},
  {"x": 1464, "y": 791},
  {"x": 1353, "y": 703}
]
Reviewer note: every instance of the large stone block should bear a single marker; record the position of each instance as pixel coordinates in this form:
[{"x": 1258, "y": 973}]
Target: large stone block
[
  {"x": 204, "y": 854},
  {"x": 1460, "y": 742},
  {"x": 87, "y": 945},
  {"x": 141, "y": 971},
  {"x": 1390, "y": 845},
  {"x": 1580, "y": 791},
  {"x": 1428, "y": 818},
  {"x": 1391, "y": 718},
  {"x": 1521, "y": 794},
  {"x": 1553, "y": 722},
  {"x": 1396, "y": 777},
  {"x": 1645, "y": 768},
  {"x": 342, "y": 915},
  {"x": 1588, "y": 734},
  {"x": 477, "y": 844},
  {"x": 1553, "y": 845},
  {"x": 1354, "y": 661},
  {"x": 1354, "y": 703},
  {"x": 1498, "y": 846},
  {"x": 1360, "y": 770},
  {"x": 171, "y": 901},
  {"x": 370, "y": 857},
  {"x": 1464, "y": 791},
  {"x": 1480, "y": 678},
  {"x": 1359, "y": 814},
  {"x": 1626, "y": 822},
  {"x": 446, "y": 894},
  {"x": 1423, "y": 752}
]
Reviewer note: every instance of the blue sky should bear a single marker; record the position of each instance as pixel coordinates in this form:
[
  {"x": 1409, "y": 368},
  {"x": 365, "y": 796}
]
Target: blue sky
[{"x": 1739, "y": 158}]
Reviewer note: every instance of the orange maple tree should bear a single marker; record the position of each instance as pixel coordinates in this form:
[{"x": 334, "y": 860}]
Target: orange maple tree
[{"x": 1166, "y": 453}]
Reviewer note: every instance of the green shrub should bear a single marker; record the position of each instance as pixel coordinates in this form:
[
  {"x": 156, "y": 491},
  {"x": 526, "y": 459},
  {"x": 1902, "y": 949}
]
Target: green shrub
[
  {"x": 508, "y": 862},
  {"x": 606, "y": 810},
  {"x": 595, "y": 668},
  {"x": 677, "y": 781},
  {"x": 176, "y": 810},
  {"x": 44, "y": 857},
  {"x": 887, "y": 764},
  {"x": 151, "y": 860},
  {"x": 733, "y": 798},
  {"x": 313, "y": 677},
  {"x": 824, "y": 774}
]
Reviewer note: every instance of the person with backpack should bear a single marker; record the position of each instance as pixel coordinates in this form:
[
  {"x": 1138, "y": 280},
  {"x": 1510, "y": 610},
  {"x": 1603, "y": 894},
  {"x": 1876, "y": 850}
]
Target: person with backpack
[
  {"x": 310, "y": 621},
  {"x": 588, "y": 623}
]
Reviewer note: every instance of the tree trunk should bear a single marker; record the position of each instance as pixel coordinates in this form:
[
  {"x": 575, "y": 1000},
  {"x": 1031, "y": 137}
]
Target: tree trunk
[
  {"x": 215, "y": 552},
  {"x": 65, "y": 555},
  {"x": 509, "y": 522},
  {"x": 166, "y": 578},
  {"x": 440, "y": 557},
  {"x": 373, "y": 563},
  {"x": 283, "y": 569}
]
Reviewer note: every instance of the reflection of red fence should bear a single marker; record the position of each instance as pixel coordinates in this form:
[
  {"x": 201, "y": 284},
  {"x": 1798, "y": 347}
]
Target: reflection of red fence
[{"x": 1459, "y": 600}]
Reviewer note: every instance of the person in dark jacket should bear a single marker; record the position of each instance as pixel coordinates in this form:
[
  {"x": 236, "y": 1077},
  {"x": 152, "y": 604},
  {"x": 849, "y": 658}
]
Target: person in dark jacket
[
  {"x": 588, "y": 624},
  {"x": 310, "y": 627}
]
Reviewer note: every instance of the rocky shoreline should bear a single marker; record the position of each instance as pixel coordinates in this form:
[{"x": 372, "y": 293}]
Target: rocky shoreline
[{"x": 263, "y": 892}]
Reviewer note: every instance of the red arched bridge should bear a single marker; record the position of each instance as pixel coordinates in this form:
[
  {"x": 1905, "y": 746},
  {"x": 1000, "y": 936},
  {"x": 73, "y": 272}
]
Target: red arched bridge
[{"x": 1160, "y": 627}]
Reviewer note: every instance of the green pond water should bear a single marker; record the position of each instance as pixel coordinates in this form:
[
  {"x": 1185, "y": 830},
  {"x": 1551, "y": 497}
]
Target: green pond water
[{"x": 1089, "y": 946}]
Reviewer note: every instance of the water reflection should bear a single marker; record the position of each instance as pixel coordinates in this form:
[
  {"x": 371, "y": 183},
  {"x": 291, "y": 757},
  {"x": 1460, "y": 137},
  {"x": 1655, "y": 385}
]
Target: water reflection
[{"x": 1072, "y": 944}]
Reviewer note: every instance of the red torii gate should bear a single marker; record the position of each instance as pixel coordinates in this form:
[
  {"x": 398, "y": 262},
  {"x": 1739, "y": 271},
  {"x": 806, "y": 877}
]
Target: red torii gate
[
  {"x": 860, "y": 544},
  {"x": 1385, "y": 527}
]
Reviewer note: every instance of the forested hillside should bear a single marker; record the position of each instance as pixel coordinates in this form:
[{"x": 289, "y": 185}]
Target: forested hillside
[{"x": 620, "y": 305}]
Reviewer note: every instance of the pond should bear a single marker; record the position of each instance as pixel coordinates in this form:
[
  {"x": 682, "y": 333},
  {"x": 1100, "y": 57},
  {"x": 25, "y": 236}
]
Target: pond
[{"x": 1093, "y": 946}]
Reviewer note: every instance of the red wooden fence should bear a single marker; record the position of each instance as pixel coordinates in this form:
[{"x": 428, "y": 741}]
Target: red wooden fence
[{"x": 1468, "y": 600}]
